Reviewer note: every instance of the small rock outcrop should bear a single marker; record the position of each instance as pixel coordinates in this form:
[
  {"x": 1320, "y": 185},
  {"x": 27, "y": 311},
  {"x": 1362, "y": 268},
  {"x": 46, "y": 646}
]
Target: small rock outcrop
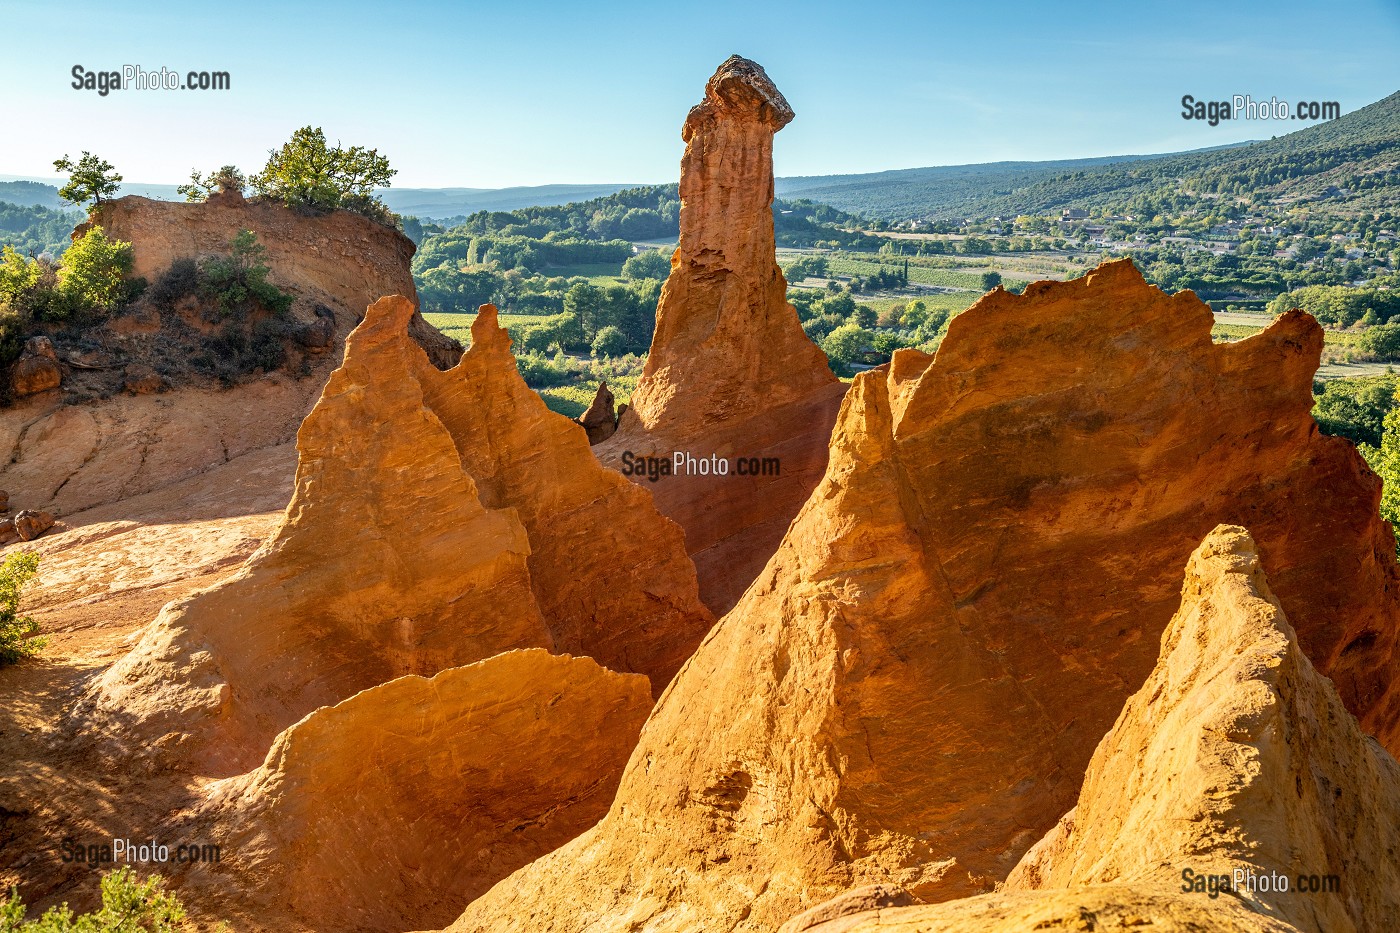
[
  {"x": 338, "y": 258},
  {"x": 394, "y": 808},
  {"x": 37, "y": 369},
  {"x": 730, "y": 373},
  {"x": 1235, "y": 760},
  {"x": 911, "y": 691},
  {"x": 600, "y": 420},
  {"x": 30, "y": 524}
]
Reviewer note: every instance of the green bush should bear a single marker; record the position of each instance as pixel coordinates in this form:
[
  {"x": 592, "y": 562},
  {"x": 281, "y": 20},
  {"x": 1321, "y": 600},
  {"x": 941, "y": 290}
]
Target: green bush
[
  {"x": 1355, "y": 408},
  {"x": 1385, "y": 460},
  {"x": 1381, "y": 341},
  {"x": 651, "y": 264},
  {"x": 128, "y": 906},
  {"x": 610, "y": 341},
  {"x": 240, "y": 280},
  {"x": 94, "y": 270},
  {"x": 17, "y": 638},
  {"x": 846, "y": 343}
]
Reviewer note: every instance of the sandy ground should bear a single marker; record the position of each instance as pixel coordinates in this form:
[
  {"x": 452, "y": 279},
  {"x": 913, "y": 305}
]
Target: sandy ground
[{"x": 104, "y": 574}]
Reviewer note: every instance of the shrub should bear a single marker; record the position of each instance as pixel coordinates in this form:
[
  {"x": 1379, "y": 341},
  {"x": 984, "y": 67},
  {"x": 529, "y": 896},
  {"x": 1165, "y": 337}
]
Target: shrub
[
  {"x": 181, "y": 279},
  {"x": 610, "y": 341},
  {"x": 241, "y": 279},
  {"x": 94, "y": 270},
  {"x": 227, "y": 178},
  {"x": 651, "y": 264},
  {"x": 128, "y": 906},
  {"x": 17, "y": 638}
]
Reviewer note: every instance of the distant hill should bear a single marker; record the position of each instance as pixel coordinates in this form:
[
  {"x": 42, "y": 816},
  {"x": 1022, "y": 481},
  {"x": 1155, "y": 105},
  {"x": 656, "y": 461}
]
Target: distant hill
[
  {"x": 31, "y": 194},
  {"x": 1353, "y": 163},
  {"x": 440, "y": 203}
]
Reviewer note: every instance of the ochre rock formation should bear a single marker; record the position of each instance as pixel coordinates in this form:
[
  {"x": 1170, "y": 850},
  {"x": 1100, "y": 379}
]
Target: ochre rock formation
[
  {"x": 600, "y": 420},
  {"x": 438, "y": 518},
  {"x": 69, "y": 457},
  {"x": 609, "y": 572},
  {"x": 37, "y": 368},
  {"x": 1235, "y": 756},
  {"x": 397, "y": 806},
  {"x": 730, "y": 372},
  {"x": 338, "y": 258},
  {"x": 386, "y": 564},
  {"x": 911, "y": 691}
]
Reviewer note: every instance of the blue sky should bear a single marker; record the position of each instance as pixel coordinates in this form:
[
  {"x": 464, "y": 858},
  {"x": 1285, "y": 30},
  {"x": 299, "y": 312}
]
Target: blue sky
[{"x": 519, "y": 93}]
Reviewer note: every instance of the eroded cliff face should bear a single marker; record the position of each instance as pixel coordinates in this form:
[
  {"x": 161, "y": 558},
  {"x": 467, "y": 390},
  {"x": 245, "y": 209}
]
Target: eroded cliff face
[
  {"x": 363, "y": 582},
  {"x": 911, "y": 691},
  {"x": 338, "y": 258},
  {"x": 438, "y": 519},
  {"x": 730, "y": 372},
  {"x": 394, "y": 808},
  {"x": 120, "y": 426},
  {"x": 1236, "y": 758},
  {"x": 610, "y": 573}
]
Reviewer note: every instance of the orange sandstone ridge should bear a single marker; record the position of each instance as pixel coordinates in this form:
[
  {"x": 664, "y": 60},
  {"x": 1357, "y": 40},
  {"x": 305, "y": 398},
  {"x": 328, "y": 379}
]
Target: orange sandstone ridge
[
  {"x": 912, "y": 690},
  {"x": 394, "y": 559},
  {"x": 730, "y": 372},
  {"x": 1235, "y": 760}
]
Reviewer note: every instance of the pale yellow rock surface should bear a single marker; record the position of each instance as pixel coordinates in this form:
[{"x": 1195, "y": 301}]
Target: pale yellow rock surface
[{"x": 397, "y": 806}]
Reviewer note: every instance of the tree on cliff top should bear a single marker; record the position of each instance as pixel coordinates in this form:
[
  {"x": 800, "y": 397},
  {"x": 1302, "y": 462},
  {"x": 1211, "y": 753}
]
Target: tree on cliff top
[
  {"x": 91, "y": 179},
  {"x": 227, "y": 179},
  {"x": 308, "y": 172}
]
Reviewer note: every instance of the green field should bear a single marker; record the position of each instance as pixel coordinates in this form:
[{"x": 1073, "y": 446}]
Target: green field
[
  {"x": 459, "y": 326},
  {"x": 588, "y": 270}
]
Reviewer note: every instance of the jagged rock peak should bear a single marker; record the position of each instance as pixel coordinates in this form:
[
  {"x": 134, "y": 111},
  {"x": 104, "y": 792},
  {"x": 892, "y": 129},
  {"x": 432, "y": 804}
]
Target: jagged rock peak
[
  {"x": 487, "y": 333},
  {"x": 741, "y": 89}
]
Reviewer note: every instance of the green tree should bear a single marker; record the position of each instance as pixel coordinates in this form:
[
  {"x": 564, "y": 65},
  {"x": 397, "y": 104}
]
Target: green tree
[
  {"x": 1356, "y": 408},
  {"x": 308, "y": 171},
  {"x": 864, "y": 316},
  {"x": 651, "y": 264},
  {"x": 846, "y": 343},
  {"x": 17, "y": 638},
  {"x": 227, "y": 178},
  {"x": 990, "y": 280},
  {"x": 587, "y": 302},
  {"x": 128, "y": 906},
  {"x": 610, "y": 341},
  {"x": 90, "y": 179},
  {"x": 94, "y": 270},
  {"x": 1385, "y": 460}
]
